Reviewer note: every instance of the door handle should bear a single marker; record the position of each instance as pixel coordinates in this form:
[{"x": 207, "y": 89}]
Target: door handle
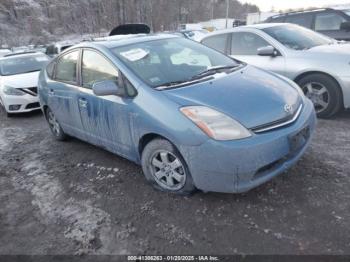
[
  {"x": 51, "y": 92},
  {"x": 83, "y": 102}
]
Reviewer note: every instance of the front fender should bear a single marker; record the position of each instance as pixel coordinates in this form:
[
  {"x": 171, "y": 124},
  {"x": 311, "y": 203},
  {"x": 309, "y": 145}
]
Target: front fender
[{"x": 154, "y": 113}]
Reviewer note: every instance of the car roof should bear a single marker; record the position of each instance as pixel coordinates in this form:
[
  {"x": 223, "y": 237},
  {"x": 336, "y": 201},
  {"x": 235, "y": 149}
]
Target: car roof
[
  {"x": 239, "y": 28},
  {"x": 22, "y": 54},
  {"x": 122, "y": 40},
  {"x": 335, "y": 8}
]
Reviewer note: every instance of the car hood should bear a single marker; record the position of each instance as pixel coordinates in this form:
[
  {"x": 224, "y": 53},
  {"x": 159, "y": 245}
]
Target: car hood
[
  {"x": 251, "y": 96},
  {"x": 334, "y": 49},
  {"x": 21, "y": 80}
]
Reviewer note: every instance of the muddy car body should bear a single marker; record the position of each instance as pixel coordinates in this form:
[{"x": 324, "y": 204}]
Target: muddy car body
[{"x": 192, "y": 117}]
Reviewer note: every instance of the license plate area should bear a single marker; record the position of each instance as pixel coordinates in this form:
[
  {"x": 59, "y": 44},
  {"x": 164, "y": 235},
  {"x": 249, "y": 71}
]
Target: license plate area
[{"x": 298, "y": 141}]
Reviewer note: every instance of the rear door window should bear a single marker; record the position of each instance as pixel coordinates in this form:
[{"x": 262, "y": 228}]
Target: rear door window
[
  {"x": 328, "y": 21},
  {"x": 217, "y": 42},
  {"x": 66, "y": 68},
  {"x": 304, "y": 20}
]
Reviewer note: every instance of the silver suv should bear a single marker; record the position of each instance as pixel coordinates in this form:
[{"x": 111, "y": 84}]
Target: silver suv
[{"x": 320, "y": 65}]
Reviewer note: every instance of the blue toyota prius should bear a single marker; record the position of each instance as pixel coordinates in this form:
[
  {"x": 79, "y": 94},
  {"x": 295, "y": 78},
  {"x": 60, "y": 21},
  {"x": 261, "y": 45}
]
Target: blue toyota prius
[{"x": 192, "y": 117}]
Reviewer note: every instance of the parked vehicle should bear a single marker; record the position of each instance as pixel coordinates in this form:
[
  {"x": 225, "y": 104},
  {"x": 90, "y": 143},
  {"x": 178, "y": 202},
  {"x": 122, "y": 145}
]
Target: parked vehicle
[
  {"x": 55, "y": 49},
  {"x": 133, "y": 29},
  {"x": 4, "y": 52},
  {"x": 191, "y": 116},
  {"x": 320, "y": 65},
  {"x": 19, "y": 75},
  {"x": 334, "y": 23},
  {"x": 192, "y": 34}
]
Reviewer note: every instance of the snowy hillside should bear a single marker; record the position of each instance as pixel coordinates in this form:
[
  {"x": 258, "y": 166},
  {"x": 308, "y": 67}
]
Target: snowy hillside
[{"x": 43, "y": 21}]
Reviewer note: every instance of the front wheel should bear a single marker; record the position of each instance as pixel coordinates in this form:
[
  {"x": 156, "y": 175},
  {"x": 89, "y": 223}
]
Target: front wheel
[
  {"x": 55, "y": 126},
  {"x": 165, "y": 168},
  {"x": 9, "y": 115},
  {"x": 324, "y": 92}
]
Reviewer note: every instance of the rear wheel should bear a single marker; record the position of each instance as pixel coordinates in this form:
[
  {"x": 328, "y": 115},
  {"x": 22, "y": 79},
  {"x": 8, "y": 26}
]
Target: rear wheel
[
  {"x": 55, "y": 126},
  {"x": 324, "y": 92},
  {"x": 165, "y": 168}
]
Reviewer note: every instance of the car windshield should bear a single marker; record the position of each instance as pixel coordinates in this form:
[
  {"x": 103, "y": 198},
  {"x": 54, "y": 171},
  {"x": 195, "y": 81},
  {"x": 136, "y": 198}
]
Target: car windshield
[
  {"x": 22, "y": 64},
  {"x": 297, "y": 37},
  {"x": 347, "y": 12},
  {"x": 170, "y": 61}
]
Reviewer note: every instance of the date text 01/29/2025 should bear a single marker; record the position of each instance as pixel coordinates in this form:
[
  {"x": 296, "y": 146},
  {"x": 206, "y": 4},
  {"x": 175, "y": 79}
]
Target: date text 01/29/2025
[{"x": 173, "y": 258}]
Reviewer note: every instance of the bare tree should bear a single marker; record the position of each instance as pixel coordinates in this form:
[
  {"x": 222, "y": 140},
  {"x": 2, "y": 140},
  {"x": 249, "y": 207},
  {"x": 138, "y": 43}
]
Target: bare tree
[{"x": 42, "y": 21}]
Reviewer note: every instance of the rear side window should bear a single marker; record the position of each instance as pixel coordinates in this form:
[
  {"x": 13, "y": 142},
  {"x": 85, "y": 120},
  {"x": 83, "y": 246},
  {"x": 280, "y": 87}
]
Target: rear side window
[
  {"x": 96, "y": 68},
  {"x": 279, "y": 19},
  {"x": 304, "y": 20},
  {"x": 217, "y": 42},
  {"x": 66, "y": 68},
  {"x": 328, "y": 21},
  {"x": 246, "y": 43}
]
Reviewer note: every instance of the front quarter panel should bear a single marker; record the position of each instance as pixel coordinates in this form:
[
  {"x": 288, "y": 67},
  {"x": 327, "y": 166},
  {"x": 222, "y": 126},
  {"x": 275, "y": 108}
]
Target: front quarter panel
[{"x": 154, "y": 113}]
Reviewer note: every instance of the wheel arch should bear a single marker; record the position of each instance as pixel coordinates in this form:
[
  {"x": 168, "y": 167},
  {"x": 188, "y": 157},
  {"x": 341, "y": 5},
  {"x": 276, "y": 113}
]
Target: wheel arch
[
  {"x": 45, "y": 107},
  {"x": 304, "y": 74},
  {"x": 146, "y": 138}
]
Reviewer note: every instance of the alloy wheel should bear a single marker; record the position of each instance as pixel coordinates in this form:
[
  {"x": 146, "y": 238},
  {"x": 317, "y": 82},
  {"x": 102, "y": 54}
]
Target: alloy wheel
[
  {"x": 53, "y": 123},
  {"x": 318, "y": 94},
  {"x": 168, "y": 170}
]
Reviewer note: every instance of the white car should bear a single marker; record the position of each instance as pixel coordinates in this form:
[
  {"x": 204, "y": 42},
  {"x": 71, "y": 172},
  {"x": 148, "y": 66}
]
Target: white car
[
  {"x": 318, "y": 64},
  {"x": 4, "y": 52},
  {"x": 19, "y": 75}
]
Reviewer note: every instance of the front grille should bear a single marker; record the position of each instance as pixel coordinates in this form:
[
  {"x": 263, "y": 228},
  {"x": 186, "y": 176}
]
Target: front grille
[
  {"x": 296, "y": 143},
  {"x": 279, "y": 123},
  {"x": 33, "y": 91},
  {"x": 33, "y": 105},
  {"x": 269, "y": 168}
]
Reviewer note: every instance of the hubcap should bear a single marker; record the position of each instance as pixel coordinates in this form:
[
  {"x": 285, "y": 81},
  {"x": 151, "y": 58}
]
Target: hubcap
[
  {"x": 54, "y": 125},
  {"x": 168, "y": 170},
  {"x": 318, "y": 94}
]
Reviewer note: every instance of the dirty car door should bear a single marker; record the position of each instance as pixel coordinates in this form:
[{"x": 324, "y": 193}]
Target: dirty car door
[
  {"x": 105, "y": 118},
  {"x": 62, "y": 93}
]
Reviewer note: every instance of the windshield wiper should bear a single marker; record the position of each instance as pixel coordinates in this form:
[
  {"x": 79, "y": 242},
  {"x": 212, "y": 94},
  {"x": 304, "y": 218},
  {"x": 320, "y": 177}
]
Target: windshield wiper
[
  {"x": 179, "y": 83},
  {"x": 213, "y": 70},
  {"x": 31, "y": 71},
  {"x": 200, "y": 76}
]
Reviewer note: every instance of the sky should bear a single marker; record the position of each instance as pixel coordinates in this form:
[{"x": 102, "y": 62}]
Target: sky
[{"x": 266, "y": 5}]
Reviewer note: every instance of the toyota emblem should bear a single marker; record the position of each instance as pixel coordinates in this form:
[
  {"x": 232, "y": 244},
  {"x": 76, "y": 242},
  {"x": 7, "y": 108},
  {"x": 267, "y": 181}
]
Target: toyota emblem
[{"x": 288, "y": 108}]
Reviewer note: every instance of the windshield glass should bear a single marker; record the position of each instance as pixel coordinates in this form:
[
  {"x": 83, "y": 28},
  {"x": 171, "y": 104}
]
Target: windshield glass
[
  {"x": 347, "y": 12},
  {"x": 297, "y": 37},
  {"x": 170, "y": 60},
  {"x": 22, "y": 64}
]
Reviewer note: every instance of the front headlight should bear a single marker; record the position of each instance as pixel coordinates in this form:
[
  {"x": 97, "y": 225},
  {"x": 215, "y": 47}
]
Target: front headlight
[
  {"x": 215, "y": 124},
  {"x": 8, "y": 90}
]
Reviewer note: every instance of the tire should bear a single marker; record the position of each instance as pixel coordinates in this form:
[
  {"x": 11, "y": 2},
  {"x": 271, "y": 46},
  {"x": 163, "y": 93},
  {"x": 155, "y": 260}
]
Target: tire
[
  {"x": 331, "y": 96},
  {"x": 174, "y": 169},
  {"x": 9, "y": 115},
  {"x": 54, "y": 125}
]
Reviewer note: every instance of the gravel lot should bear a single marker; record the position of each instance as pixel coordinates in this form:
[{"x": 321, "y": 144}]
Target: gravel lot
[{"x": 74, "y": 198}]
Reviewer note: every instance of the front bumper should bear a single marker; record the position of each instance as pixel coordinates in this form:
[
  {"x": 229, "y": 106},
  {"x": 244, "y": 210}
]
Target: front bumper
[
  {"x": 26, "y": 103},
  {"x": 345, "y": 85},
  {"x": 238, "y": 166}
]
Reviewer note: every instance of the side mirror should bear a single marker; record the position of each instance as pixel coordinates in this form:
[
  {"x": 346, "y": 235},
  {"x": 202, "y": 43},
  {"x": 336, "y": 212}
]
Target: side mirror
[
  {"x": 268, "y": 51},
  {"x": 345, "y": 26},
  {"x": 107, "y": 88}
]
